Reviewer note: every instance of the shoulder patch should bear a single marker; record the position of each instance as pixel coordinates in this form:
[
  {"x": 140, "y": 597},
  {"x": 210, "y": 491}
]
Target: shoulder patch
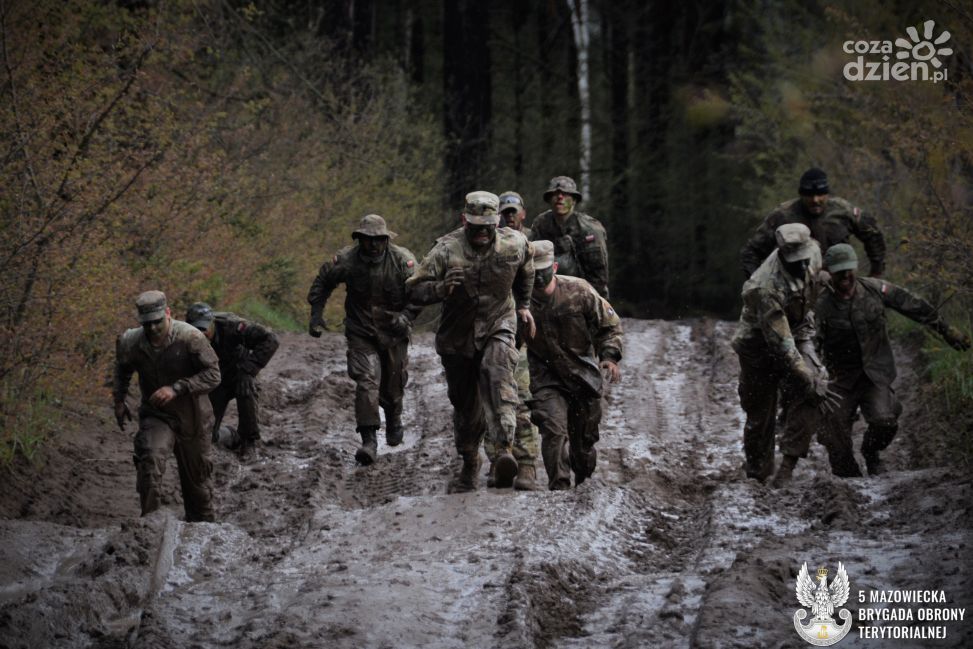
[
  {"x": 885, "y": 288},
  {"x": 589, "y": 238},
  {"x": 241, "y": 327},
  {"x": 410, "y": 263},
  {"x": 334, "y": 260}
]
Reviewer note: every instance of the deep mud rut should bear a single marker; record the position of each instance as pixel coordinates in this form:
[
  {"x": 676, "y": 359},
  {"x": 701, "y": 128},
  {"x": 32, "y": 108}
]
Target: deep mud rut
[{"x": 668, "y": 545}]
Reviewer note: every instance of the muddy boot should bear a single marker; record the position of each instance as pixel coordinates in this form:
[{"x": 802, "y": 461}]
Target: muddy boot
[
  {"x": 369, "y": 445},
  {"x": 505, "y": 470},
  {"x": 526, "y": 478},
  {"x": 873, "y": 463},
  {"x": 784, "y": 471},
  {"x": 393, "y": 434},
  {"x": 466, "y": 478},
  {"x": 247, "y": 451}
]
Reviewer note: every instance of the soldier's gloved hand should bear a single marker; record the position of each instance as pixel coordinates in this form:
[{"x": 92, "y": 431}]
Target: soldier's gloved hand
[
  {"x": 454, "y": 278},
  {"x": 317, "y": 326},
  {"x": 399, "y": 323},
  {"x": 246, "y": 386},
  {"x": 121, "y": 414},
  {"x": 610, "y": 370},
  {"x": 822, "y": 395},
  {"x": 956, "y": 339},
  {"x": 563, "y": 244}
]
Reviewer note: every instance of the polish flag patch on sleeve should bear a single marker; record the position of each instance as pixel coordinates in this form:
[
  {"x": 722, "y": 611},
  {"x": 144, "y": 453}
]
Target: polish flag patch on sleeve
[
  {"x": 885, "y": 288},
  {"x": 589, "y": 238},
  {"x": 410, "y": 264}
]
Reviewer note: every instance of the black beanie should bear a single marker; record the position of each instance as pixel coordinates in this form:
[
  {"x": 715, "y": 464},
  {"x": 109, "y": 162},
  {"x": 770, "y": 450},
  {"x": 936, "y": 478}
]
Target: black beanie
[{"x": 814, "y": 182}]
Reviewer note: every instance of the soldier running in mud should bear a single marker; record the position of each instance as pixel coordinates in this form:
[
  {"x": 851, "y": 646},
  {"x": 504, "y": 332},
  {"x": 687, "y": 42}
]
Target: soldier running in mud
[
  {"x": 483, "y": 277},
  {"x": 830, "y": 219},
  {"x": 580, "y": 242},
  {"x": 526, "y": 441},
  {"x": 176, "y": 367},
  {"x": 775, "y": 345},
  {"x": 855, "y": 344},
  {"x": 244, "y": 348},
  {"x": 378, "y": 321},
  {"x": 579, "y": 336}
]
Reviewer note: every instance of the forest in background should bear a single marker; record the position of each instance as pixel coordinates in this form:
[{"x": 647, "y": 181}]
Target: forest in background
[{"x": 220, "y": 150}]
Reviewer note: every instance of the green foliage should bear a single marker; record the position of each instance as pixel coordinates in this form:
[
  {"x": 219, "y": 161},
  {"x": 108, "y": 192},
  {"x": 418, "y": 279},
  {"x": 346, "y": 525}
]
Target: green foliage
[
  {"x": 277, "y": 319},
  {"x": 26, "y": 421}
]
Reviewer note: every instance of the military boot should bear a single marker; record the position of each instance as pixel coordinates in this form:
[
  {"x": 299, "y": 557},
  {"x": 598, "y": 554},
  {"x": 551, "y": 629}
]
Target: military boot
[
  {"x": 505, "y": 469},
  {"x": 466, "y": 478},
  {"x": 784, "y": 471},
  {"x": 526, "y": 478},
  {"x": 366, "y": 454},
  {"x": 873, "y": 463},
  {"x": 393, "y": 434}
]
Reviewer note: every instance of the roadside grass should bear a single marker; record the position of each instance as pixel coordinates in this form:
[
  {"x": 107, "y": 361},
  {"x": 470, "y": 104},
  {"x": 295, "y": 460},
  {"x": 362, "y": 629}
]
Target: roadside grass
[
  {"x": 277, "y": 318},
  {"x": 27, "y": 423}
]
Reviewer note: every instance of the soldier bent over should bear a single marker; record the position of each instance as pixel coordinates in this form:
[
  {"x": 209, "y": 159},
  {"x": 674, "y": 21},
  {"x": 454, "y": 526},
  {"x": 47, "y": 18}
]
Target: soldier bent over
[
  {"x": 578, "y": 336},
  {"x": 377, "y": 325},
  {"x": 176, "y": 367}
]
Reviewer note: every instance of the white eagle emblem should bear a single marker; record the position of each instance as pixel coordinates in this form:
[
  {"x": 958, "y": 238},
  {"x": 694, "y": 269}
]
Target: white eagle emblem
[{"x": 822, "y": 631}]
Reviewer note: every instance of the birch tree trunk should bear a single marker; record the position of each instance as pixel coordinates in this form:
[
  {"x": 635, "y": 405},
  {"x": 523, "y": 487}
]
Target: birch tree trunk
[{"x": 581, "y": 28}]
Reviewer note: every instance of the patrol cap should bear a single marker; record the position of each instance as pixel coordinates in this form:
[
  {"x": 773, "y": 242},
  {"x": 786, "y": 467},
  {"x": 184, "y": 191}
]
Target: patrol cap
[
  {"x": 794, "y": 242},
  {"x": 563, "y": 184},
  {"x": 372, "y": 225},
  {"x": 200, "y": 315},
  {"x": 510, "y": 200},
  {"x": 543, "y": 254},
  {"x": 839, "y": 257},
  {"x": 482, "y": 208},
  {"x": 814, "y": 182},
  {"x": 151, "y": 306}
]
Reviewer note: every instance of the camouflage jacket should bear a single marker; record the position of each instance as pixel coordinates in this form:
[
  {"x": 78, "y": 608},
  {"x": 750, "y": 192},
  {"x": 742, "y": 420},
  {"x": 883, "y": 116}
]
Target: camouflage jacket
[
  {"x": 853, "y": 334},
  {"x": 580, "y": 246},
  {"x": 576, "y": 328},
  {"x": 777, "y": 322},
  {"x": 495, "y": 283},
  {"x": 375, "y": 290},
  {"x": 836, "y": 224},
  {"x": 243, "y": 347},
  {"x": 186, "y": 362}
]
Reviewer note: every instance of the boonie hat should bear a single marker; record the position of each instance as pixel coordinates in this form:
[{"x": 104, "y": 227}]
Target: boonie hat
[
  {"x": 373, "y": 225},
  {"x": 200, "y": 315},
  {"x": 151, "y": 306},
  {"x": 814, "y": 182},
  {"x": 839, "y": 257},
  {"x": 563, "y": 184},
  {"x": 482, "y": 208},
  {"x": 543, "y": 254},
  {"x": 511, "y": 200},
  {"x": 794, "y": 242}
]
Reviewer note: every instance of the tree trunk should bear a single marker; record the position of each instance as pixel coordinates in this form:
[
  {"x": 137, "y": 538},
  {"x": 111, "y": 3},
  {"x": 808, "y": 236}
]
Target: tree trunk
[{"x": 580, "y": 24}]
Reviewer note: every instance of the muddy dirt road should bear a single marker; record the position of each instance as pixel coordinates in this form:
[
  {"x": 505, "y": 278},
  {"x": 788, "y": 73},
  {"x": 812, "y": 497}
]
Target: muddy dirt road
[{"x": 668, "y": 545}]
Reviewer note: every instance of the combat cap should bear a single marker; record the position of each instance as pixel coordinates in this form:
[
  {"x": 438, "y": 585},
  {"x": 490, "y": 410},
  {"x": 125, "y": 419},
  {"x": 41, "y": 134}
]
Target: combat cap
[
  {"x": 151, "y": 306},
  {"x": 511, "y": 200},
  {"x": 200, "y": 315},
  {"x": 563, "y": 184},
  {"x": 543, "y": 254},
  {"x": 794, "y": 242},
  {"x": 839, "y": 257},
  {"x": 814, "y": 182},
  {"x": 482, "y": 208},
  {"x": 372, "y": 225}
]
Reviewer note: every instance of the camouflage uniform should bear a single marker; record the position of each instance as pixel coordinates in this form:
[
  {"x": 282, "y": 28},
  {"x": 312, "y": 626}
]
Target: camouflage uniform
[
  {"x": 476, "y": 336},
  {"x": 188, "y": 364},
  {"x": 244, "y": 348},
  {"x": 580, "y": 243},
  {"x": 775, "y": 345},
  {"x": 576, "y": 328},
  {"x": 839, "y": 221},
  {"x": 856, "y": 348},
  {"x": 378, "y": 351}
]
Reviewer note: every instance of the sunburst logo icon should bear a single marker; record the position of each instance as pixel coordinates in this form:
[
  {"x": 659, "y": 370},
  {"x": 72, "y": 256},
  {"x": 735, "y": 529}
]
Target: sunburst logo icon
[{"x": 925, "y": 48}]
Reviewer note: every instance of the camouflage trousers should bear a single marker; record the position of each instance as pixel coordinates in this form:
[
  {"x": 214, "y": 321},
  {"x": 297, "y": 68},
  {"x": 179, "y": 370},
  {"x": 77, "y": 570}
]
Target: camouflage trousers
[
  {"x": 569, "y": 431},
  {"x": 525, "y": 441},
  {"x": 380, "y": 377},
  {"x": 248, "y": 430},
  {"x": 762, "y": 380},
  {"x": 483, "y": 394},
  {"x": 155, "y": 441},
  {"x": 879, "y": 406}
]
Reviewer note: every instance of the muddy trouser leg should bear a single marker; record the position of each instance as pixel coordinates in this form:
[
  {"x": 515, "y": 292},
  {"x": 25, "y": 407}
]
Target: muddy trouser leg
[
  {"x": 220, "y": 398},
  {"x": 498, "y": 390},
  {"x": 881, "y": 410},
  {"x": 249, "y": 430},
  {"x": 154, "y": 442},
  {"x": 835, "y": 431},
  {"x": 469, "y": 423},
  {"x": 195, "y": 476},
  {"x": 549, "y": 410},
  {"x": 526, "y": 443},
  {"x": 758, "y": 398},
  {"x": 395, "y": 376},
  {"x": 364, "y": 368},
  {"x": 584, "y": 415}
]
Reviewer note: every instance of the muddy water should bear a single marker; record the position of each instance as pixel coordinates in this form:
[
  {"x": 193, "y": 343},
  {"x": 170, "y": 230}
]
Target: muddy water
[{"x": 668, "y": 545}]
